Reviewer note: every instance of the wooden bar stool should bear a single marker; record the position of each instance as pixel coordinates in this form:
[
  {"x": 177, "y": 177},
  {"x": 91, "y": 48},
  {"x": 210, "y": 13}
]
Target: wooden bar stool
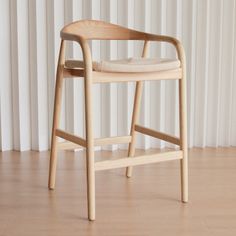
[{"x": 132, "y": 69}]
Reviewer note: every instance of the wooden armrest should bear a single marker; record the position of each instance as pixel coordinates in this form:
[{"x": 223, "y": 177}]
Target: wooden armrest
[{"x": 168, "y": 39}]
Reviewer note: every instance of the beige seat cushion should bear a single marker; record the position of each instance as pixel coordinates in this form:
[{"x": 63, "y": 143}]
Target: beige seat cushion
[{"x": 137, "y": 65}]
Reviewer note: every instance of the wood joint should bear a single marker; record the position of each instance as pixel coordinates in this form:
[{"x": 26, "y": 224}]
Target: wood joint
[
  {"x": 69, "y": 72},
  {"x": 70, "y": 137}
]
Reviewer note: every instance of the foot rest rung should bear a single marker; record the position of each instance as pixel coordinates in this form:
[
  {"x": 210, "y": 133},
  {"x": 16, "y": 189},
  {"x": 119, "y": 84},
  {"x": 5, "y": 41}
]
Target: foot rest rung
[
  {"x": 70, "y": 137},
  {"x": 157, "y": 134},
  {"x": 112, "y": 140},
  {"x": 139, "y": 160},
  {"x": 78, "y": 142}
]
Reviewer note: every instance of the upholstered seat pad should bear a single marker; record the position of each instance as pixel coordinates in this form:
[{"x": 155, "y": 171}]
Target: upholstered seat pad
[{"x": 137, "y": 65}]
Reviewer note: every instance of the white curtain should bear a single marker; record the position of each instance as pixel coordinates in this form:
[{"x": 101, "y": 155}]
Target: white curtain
[{"x": 29, "y": 41}]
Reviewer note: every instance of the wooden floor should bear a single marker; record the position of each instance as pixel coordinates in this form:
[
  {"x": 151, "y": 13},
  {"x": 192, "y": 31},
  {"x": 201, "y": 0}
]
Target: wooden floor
[{"x": 146, "y": 204}]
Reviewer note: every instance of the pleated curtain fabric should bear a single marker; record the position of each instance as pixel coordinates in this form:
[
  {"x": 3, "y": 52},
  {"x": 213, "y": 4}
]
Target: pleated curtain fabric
[{"x": 29, "y": 42}]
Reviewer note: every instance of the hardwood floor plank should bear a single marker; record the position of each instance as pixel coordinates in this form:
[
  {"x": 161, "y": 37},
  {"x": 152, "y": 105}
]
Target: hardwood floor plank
[{"x": 146, "y": 204}]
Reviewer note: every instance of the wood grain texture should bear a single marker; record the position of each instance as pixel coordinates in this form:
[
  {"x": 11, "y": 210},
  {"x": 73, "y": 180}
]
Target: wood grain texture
[
  {"x": 135, "y": 114},
  {"x": 157, "y": 134},
  {"x": 97, "y": 142},
  {"x": 146, "y": 204},
  {"x": 138, "y": 160},
  {"x": 81, "y": 32},
  {"x": 56, "y": 116},
  {"x": 70, "y": 137}
]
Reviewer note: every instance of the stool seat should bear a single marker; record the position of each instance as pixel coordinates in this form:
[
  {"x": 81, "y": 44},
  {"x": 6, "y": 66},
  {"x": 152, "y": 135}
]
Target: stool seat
[{"x": 137, "y": 64}]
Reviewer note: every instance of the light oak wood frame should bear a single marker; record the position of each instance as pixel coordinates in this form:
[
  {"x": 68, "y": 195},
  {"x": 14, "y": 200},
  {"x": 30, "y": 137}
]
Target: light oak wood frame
[{"x": 81, "y": 32}]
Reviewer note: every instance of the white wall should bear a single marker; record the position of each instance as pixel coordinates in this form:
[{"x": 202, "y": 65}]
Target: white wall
[{"x": 29, "y": 41}]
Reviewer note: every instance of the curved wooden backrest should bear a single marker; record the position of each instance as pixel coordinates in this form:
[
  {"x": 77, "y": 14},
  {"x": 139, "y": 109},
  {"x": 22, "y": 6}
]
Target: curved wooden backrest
[
  {"x": 82, "y": 30},
  {"x": 92, "y": 29}
]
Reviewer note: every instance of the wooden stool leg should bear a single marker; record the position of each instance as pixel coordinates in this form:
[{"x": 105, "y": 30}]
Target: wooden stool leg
[
  {"x": 183, "y": 138},
  {"x": 90, "y": 150},
  {"x": 136, "y": 109},
  {"x": 56, "y": 117}
]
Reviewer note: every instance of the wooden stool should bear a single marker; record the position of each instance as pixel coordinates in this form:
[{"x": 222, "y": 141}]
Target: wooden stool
[{"x": 117, "y": 71}]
